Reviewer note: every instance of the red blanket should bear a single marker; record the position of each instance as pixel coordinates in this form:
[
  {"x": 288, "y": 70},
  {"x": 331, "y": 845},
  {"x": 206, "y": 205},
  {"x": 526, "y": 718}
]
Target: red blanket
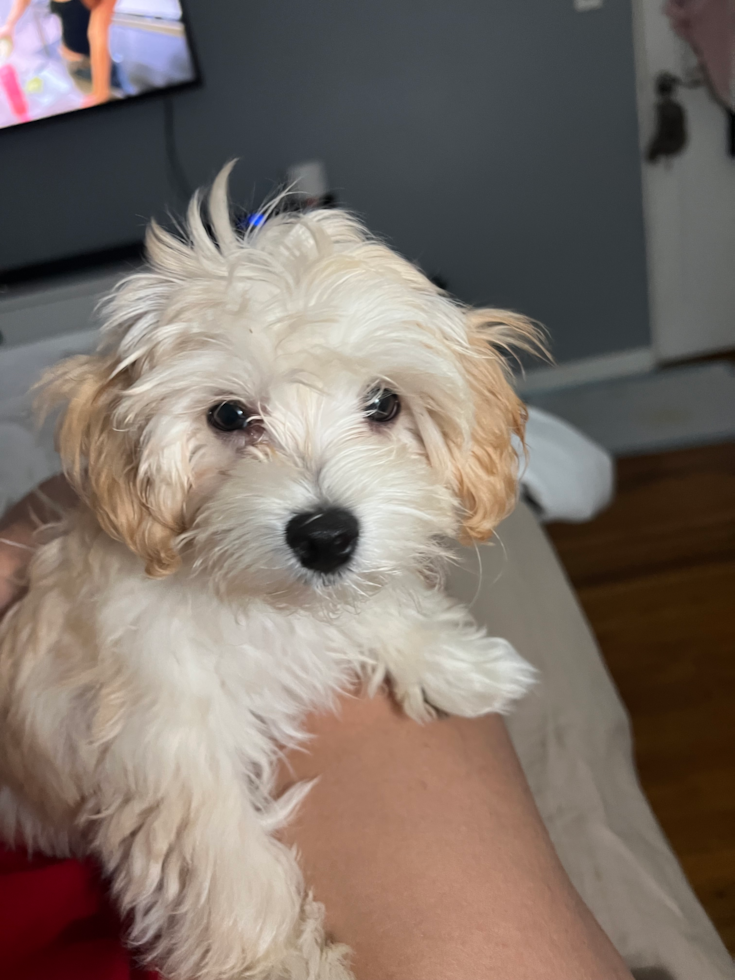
[{"x": 56, "y": 923}]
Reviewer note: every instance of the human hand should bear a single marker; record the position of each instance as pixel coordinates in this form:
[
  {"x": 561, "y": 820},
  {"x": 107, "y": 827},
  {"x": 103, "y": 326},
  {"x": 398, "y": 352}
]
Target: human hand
[
  {"x": 18, "y": 533},
  {"x": 89, "y": 100}
]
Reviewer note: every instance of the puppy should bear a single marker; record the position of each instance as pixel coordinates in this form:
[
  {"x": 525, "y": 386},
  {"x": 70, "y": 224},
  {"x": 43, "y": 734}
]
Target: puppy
[{"x": 275, "y": 439}]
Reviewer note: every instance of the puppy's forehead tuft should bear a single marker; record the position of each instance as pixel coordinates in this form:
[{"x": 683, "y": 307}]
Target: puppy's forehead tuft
[{"x": 314, "y": 286}]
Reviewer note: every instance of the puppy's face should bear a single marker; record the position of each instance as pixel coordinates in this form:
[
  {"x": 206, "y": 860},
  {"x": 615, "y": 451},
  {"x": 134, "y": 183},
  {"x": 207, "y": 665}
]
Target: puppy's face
[{"x": 299, "y": 414}]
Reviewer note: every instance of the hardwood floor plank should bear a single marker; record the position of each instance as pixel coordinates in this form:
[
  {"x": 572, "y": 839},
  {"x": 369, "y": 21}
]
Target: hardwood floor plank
[
  {"x": 712, "y": 871},
  {"x": 656, "y": 577},
  {"x": 671, "y": 509}
]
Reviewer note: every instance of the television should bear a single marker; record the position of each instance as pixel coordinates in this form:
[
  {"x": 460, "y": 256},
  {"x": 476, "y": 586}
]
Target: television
[{"x": 60, "y": 56}]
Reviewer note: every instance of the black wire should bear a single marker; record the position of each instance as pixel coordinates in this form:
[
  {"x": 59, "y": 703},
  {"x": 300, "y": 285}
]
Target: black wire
[{"x": 175, "y": 173}]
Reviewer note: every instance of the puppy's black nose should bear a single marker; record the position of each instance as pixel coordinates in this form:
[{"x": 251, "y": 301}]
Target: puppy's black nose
[{"x": 323, "y": 540}]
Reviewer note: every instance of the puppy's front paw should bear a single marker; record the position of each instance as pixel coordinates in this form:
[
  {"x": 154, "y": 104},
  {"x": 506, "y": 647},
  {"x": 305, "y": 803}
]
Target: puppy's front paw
[
  {"x": 412, "y": 699},
  {"x": 476, "y": 676}
]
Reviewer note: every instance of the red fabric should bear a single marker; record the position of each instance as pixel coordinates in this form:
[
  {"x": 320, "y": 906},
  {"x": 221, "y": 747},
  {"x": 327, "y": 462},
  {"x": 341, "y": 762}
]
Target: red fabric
[{"x": 56, "y": 923}]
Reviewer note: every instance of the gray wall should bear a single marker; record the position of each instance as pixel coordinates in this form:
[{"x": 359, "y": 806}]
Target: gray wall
[{"x": 493, "y": 141}]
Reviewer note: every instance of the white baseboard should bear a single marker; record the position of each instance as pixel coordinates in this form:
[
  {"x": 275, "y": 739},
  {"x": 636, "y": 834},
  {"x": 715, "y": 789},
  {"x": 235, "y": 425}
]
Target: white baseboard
[{"x": 619, "y": 364}]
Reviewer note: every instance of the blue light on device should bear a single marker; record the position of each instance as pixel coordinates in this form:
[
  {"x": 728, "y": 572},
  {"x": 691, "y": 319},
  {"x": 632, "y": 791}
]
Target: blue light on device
[{"x": 256, "y": 220}]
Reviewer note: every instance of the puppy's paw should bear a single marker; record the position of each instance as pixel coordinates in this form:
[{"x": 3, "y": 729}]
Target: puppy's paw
[
  {"x": 412, "y": 700},
  {"x": 313, "y": 956},
  {"x": 476, "y": 677}
]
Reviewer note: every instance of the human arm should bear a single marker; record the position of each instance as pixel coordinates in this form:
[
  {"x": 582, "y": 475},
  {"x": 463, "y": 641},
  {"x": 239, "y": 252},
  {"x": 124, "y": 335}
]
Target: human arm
[
  {"x": 426, "y": 847},
  {"x": 98, "y": 34},
  {"x": 16, "y": 12}
]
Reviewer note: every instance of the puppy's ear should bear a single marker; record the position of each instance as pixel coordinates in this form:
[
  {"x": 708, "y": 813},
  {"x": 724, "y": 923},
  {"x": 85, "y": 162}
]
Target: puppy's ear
[
  {"x": 485, "y": 474},
  {"x": 101, "y": 459}
]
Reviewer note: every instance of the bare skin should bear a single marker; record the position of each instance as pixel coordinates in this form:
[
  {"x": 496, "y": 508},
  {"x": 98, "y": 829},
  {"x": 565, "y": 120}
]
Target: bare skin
[
  {"x": 427, "y": 849},
  {"x": 98, "y": 32},
  {"x": 423, "y": 841}
]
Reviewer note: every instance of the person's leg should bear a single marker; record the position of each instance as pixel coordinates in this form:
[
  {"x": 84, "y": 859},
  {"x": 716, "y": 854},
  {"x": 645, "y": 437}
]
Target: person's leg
[{"x": 426, "y": 848}]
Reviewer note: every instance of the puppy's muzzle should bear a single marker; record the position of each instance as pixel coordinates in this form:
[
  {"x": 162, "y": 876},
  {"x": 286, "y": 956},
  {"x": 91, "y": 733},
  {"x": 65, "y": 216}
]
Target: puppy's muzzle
[{"x": 323, "y": 540}]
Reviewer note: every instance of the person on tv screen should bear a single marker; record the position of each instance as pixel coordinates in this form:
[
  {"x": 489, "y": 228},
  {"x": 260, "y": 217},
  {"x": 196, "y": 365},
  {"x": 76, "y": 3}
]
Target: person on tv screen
[{"x": 85, "y": 28}]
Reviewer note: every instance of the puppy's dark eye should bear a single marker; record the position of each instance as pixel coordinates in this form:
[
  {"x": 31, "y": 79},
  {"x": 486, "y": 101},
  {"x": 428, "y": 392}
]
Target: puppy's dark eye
[
  {"x": 231, "y": 416},
  {"x": 382, "y": 405}
]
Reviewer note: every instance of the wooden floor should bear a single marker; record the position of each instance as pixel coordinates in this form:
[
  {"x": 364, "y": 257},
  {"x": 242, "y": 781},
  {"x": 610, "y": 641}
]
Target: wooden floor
[{"x": 656, "y": 577}]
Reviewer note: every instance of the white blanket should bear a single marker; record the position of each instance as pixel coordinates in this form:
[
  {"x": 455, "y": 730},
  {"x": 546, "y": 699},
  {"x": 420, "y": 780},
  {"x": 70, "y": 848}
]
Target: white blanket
[
  {"x": 27, "y": 454},
  {"x": 566, "y": 475}
]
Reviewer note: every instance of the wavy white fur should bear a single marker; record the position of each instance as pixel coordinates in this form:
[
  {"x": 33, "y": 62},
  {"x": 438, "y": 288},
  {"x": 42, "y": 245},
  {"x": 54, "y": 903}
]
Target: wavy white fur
[{"x": 170, "y": 643}]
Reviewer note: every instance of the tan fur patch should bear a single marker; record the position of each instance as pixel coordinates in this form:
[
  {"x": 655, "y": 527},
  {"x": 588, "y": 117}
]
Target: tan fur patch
[
  {"x": 486, "y": 477},
  {"x": 101, "y": 461}
]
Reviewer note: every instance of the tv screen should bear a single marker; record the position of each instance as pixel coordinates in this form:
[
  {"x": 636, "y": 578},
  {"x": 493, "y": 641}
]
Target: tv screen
[{"x": 58, "y": 56}]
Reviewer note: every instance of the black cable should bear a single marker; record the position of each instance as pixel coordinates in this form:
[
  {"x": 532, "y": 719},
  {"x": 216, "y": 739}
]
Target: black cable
[{"x": 175, "y": 174}]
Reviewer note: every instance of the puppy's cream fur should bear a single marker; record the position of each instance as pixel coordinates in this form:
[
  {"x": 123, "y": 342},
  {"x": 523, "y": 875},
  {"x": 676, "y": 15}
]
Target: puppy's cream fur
[{"x": 170, "y": 642}]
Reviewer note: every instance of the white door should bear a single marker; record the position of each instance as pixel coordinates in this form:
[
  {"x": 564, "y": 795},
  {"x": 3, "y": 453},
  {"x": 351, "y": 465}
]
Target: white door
[{"x": 689, "y": 205}]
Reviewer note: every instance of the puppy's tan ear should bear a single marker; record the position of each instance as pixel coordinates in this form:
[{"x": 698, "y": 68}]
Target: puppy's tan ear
[
  {"x": 102, "y": 461},
  {"x": 486, "y": 474}
]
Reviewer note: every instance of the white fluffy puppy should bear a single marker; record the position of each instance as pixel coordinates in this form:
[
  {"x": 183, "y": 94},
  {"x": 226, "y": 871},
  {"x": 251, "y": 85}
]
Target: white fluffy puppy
[{"x": 274, "y": 438}]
